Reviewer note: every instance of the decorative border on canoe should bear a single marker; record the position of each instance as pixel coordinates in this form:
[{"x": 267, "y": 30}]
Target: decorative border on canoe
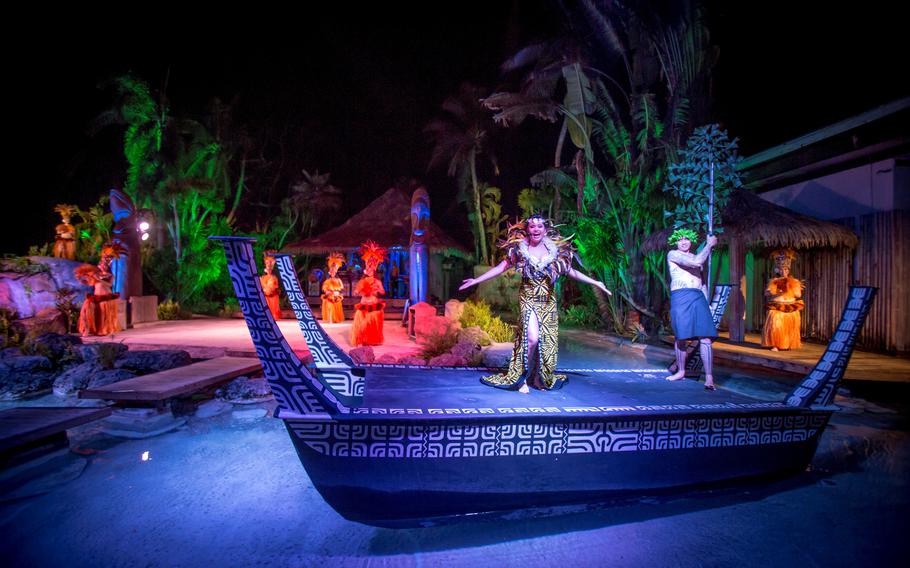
[
  {"x": 570, "y": 409},
  {"x": 498, "y": 440}
]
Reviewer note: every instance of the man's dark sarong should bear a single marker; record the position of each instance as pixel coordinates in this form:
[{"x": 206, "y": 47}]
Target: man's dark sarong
[{"x": 689, "y": 314}]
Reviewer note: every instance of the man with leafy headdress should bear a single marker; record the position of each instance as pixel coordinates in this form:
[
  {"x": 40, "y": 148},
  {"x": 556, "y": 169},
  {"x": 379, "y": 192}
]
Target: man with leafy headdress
[{"x": 689, "y": 313}]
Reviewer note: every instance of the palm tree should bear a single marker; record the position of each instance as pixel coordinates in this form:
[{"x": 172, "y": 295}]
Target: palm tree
[
  {"x": 460, "y": 137},
  {"x": 314, "y": 201},
  {"x": 553, "y": 67}
]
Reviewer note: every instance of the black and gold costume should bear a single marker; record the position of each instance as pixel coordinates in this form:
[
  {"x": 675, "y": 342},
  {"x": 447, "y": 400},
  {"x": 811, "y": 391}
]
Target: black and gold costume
[{"x": 537, "y": 295}]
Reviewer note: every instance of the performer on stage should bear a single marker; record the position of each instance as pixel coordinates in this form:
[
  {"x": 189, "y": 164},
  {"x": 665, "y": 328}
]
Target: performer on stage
[
  {"x": 689, "y": 312},
  {"x": 65, "y": 240},
  {"x": 332, "y": 308},
  {"x": 784, "y": 293},
  {"x": 270, "y": 285},
  {"x": 540, "y": 254},
  {"x": 369, "y": 316},
  {"x": 98, "y": 315}
]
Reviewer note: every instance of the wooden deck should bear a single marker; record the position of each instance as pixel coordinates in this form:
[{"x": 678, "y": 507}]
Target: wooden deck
[
  {"x": 24, "y": 425},
  {"x": 864, "y": 366},
  {"x": 160, "y": 386}
]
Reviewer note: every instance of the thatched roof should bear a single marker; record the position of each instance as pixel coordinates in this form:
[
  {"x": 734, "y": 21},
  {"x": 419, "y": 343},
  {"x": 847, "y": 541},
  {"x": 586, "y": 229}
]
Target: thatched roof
[
  {"x": 760, "y": 223},
  {"x": 387, "y": 220}
]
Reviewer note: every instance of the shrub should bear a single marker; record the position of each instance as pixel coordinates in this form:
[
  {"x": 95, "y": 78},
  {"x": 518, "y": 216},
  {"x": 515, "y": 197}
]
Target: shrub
[
  {"x": 478, "y": 313},
  {"x": 10, "y": 334},
  {"x": 440, "y": 339},
  {"x": 580, "y": 315},
  {"x": 171, "y": 310}
]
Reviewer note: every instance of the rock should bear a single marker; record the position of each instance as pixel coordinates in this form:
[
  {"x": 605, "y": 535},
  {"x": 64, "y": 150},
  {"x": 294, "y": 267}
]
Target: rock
[
  {"x": 10, "y": 352},
  {"x": 153, "y": 360},
  {"x": 454, "y": 310},
  {"x": 468, "y": 351},
  {"x": 87, "y": 375},
  {"x": 412, "y": 360},
  {"x": 243, "y": 389},
  {"x": 447, "y": 360},
  {"x": 433, "y": 325},
  {"x": 114, "y": 350},
  {"x": 61, "y": 272},
  {"x": 362, "y": 354},
  {"x": 109, "y": 376},
  {"x": 497, "y": 355},
  {"x": 55, "y": 346},
  {"x": 387, "y": 359},
  {"x": 25, "y": 375},
  {"x": 45, "y": 320},
  {"x": 474, "y": 335}
]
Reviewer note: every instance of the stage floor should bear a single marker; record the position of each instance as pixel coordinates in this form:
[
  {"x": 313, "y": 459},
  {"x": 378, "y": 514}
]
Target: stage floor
[{"x": 208, "y": 337}]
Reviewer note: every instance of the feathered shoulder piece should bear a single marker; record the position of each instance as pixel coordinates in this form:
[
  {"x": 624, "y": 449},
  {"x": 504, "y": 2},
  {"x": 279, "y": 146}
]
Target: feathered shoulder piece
[
  {"x": 558, "y": 260},
  {"x": 84, "y": 272}
]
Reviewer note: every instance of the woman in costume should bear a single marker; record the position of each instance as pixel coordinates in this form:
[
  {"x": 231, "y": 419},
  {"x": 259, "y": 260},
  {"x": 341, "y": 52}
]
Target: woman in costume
[
  {"x": 369, "y": 314},
  {"x": 98, "y": 315},
  {"x": 540, "y": 255},
  {"x": 65, "y": 240},
  {"x": 270, "y": 285},
  {"x": 332, "y": 308},
  {"x": 784, "y": 293}
]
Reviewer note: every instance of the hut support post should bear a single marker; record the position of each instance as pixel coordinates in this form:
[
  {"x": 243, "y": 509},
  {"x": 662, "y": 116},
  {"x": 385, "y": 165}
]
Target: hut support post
[{"x": 738, "y": 297}]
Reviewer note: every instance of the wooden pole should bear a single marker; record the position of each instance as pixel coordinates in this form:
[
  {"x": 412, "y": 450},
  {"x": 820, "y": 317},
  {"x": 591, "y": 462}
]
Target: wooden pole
[{"x": 710, "y": 226}]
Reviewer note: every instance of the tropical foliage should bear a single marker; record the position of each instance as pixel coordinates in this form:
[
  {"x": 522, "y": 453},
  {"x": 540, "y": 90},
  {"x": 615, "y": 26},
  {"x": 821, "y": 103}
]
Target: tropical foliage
[
  {"x": 635, "y": 86},
  {"x": 702, "y": 179},
  {"x": 462, "y": 137},
  {"x": 478, "y": 313}
]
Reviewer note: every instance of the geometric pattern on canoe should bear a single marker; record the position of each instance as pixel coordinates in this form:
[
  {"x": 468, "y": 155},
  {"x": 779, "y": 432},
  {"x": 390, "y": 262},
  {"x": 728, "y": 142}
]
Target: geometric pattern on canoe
[
  {"x": 291, "y": 382},
  {"x": 325, "y": 351},
  {"x": 569, "y": 409},
  {"x": 494, "y": 440},
  {"x": 818, "y": 387}
]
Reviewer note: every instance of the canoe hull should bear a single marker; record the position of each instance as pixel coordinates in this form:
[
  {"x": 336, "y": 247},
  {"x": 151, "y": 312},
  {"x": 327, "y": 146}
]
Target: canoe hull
[{"x": 404, "y": 474}]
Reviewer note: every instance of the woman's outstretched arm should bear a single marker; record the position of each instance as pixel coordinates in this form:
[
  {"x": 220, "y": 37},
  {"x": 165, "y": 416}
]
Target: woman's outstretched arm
[
  {"x": 491, "y": 273},
  {"x": 588, "y": 280}
]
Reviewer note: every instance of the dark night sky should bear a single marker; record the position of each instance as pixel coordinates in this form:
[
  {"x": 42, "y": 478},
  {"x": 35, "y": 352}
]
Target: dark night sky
[{"x": 355, "y": 88}]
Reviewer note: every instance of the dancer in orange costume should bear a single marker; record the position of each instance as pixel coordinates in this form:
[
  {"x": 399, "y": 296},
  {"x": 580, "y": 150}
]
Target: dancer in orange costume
[
  {"x": 99, "y": 311},
  {"x": 368, "y": 314},
  {"x": 784, "y": 293},
  {"x": 65, "y": 241},
  {"x": 270, "y": 286},
  {"x": 332, "y": 308}
]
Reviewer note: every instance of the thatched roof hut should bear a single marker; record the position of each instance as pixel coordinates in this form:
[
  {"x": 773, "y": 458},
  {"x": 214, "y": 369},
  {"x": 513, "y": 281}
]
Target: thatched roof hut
[
  {"x": 751, "y": 222},
  {"x": 387, "y": 220},
  {"x": 759, "y": 223}
]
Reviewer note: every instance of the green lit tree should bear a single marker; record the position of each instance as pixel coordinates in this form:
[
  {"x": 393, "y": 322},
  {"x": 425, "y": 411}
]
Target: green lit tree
[
  {"x": 702, "y": 179},
  {"x": 188, "y": 172}
]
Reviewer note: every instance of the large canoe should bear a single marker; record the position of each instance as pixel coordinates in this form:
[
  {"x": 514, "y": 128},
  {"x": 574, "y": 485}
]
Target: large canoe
[{"x": 395, "y": 445}]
